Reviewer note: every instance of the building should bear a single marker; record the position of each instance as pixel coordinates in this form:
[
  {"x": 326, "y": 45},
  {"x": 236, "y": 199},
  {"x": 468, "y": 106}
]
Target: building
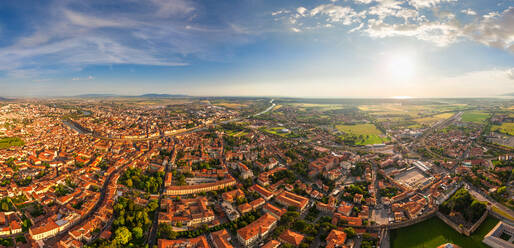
[
  {"x": 292, "y": 200},
  {"x": 230, "y": 211},
  {"x": 256, "y": 230},
  {"x": 266, "y": 194},
  {"x": 187, "y": 212},
  {"x": 273, "y": 210},
  {"x": 221, "y": 239},
  {"x": 336, "y": 239},
  {"x": 233, "y": 195},
  {"x": 501, "y": 236},
  {"x": 272, "y": 244},
  {"x": 199, "y": 188},
  {"x": 48, "y": 229},
  {"x": 245, "y": 172},
  {"x": 291, "y": 238},
  {"x": 198, "y": 242}
]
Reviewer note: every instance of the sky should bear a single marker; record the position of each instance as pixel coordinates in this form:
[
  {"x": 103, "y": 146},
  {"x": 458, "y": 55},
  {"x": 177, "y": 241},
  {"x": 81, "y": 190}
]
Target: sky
[{"x": 322, "y": 48}]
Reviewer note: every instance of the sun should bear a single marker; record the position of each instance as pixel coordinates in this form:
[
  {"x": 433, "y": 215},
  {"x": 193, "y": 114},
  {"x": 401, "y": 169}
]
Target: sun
[{"x": 400, "y": 66}]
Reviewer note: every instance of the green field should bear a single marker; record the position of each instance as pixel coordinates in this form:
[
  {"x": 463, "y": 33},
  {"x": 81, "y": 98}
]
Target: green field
[
  {"x": 7, "y": 142},
  {"x": 276, "y": 131},
  {"x": 475, "y": 117},
  {"x": 363, "y": 134},
  {"x": 506, "y": 128},
  {"x": 236, "y": 133},
  {"x": 434, "y": 232}
]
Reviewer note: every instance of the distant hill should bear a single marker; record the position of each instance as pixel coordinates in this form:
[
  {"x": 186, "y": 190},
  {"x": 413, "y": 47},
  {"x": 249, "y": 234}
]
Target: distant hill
[
  {"x": 509, "y": 94},
  {"x": 4, "y": 99},
  {"x": 96, "y": 95},
  {"x": 152, "y": 95}
]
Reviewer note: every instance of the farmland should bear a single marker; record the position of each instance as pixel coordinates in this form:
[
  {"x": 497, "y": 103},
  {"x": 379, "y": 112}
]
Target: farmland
[
  {"x": 475, "y": 117},
  {"x": 433, "y": 119},
  {"x": 413, "y": 116},
  {"x": 506, "y": 128},
  {"x": 317, "y": 107}
]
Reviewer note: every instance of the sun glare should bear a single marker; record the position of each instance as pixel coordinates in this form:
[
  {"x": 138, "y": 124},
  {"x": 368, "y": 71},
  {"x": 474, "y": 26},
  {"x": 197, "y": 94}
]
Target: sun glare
[{"x": 400, "y": 66}]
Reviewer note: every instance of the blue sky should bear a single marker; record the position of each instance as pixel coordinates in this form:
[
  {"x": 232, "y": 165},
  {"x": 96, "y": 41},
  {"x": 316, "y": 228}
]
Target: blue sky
[{"x": 324, "y": 48}]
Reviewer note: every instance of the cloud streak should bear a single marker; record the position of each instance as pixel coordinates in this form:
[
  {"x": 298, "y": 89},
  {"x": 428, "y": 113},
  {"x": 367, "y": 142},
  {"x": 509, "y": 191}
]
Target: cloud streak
[{"x": 72, "y": 36}]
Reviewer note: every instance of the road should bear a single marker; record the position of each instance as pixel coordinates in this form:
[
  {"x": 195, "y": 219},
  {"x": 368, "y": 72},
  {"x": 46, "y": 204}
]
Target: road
[
  {"x": 52, "y": 242},
  {"x": 435, "y": 127},
  {"x": 152, "y": 237},
  {"x": 477, "y": 193}
]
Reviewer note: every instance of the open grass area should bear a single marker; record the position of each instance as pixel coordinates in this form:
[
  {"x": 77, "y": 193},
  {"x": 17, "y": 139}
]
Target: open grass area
[
  {"x": 506, "y": 128},
  {"x": 281, "y": 131},
  {"x": 7, "y": 142},
  {"x": 363, "y": 134},
  {"x": 434, "y": 232},
  {"x": 393, "y": 109},
  {"x": 236, "y": 133},
  {"x": 474, "y": 116}
]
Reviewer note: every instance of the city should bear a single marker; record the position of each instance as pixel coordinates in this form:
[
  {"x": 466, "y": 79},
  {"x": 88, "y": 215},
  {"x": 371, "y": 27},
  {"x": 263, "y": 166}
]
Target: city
[{"x": 217, "y": 172}]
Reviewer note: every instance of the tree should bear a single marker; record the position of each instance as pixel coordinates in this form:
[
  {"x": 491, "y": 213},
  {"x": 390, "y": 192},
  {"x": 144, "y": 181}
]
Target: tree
[
  {"x": 137, "y": 232},
  {"x": 300, "y": 225},
  {"x": 129, "y": 183},
  {"x": 122, "y": 235},
  {"x": 153, "y": 205},
  {"x": 166, "y": 231},
  {"x": 5, "y": 206},
  {"x": 350, "y": 232}
]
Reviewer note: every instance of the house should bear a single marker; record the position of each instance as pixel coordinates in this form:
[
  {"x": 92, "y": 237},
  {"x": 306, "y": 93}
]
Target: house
[
  {"x": 291, "y": 238},
  {"x": 198, "y": 242},
  {"x": 336, "y": 238},
  {"x": 46, "y": 230},
  {"x": 272, "y": 244},
  {"x": 256, "y": 230},
  {"x": 221, "y": 239}
]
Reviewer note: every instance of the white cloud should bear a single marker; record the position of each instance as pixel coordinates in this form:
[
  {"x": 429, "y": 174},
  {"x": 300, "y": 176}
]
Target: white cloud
[
  {"x": 390, "y": 18},
  {"x": 296, "y": 30},
  {"x": 356, "y": 28},
  {"x": 387, "y": 8},
  {"x": 441, "y": 34},
  {"x": 494, "y": 29},
  {"x": 468, "y": 12},
  {"x": 427, "y": 3},
  {"x": 280, "y": 12},
  {"x": 301, "y": 10},
  {"x": 363, "y": 1},
  {"x": 336, "y": 13}
]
